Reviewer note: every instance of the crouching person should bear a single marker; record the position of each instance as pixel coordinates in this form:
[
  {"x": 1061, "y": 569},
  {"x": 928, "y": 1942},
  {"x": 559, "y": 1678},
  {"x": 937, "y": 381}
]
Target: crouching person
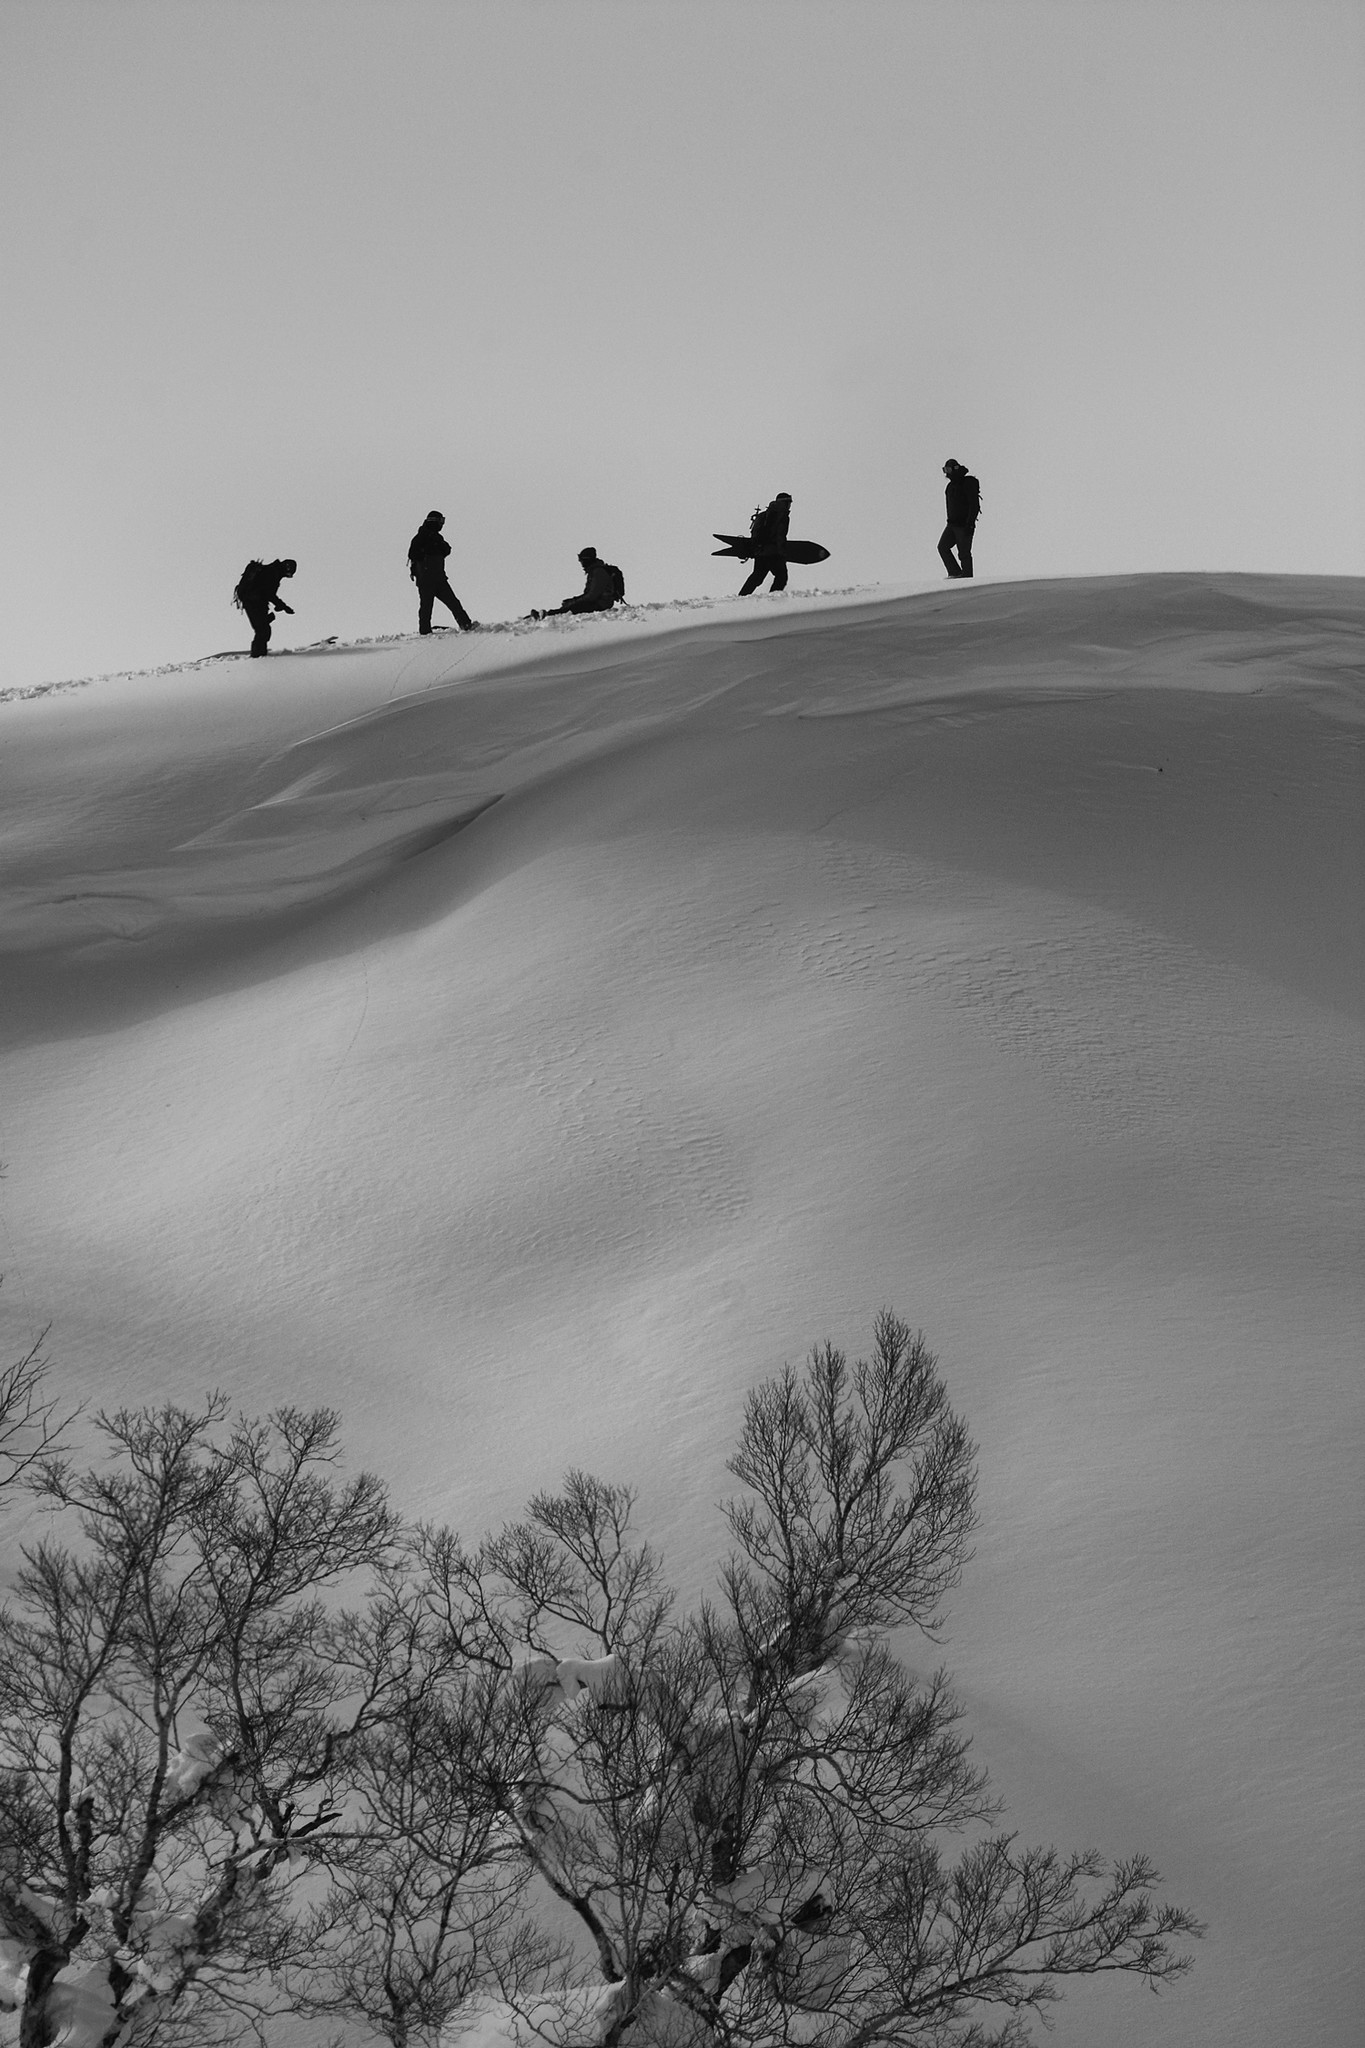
[{"x": 258, "y": 595}]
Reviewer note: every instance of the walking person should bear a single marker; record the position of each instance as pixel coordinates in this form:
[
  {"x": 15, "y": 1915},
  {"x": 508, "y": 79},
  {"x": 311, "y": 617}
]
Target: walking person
[
  {"x": 963, "y": 498},
  {"x": 258, "y": 595},
  {"x": 427, "y": 553},
  {"x": 768, "y": 532}
]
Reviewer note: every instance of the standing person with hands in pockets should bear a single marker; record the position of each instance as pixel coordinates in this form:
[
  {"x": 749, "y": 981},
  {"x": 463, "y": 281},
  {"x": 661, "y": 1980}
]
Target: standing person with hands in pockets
[{"x": 963, "y": 497}]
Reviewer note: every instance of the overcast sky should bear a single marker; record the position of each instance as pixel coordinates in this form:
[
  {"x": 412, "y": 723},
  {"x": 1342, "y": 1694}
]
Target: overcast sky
[{"x": 280, "y": 277}]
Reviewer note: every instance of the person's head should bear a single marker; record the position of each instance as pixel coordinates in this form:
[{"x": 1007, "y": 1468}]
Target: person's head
[
  {"x": 587, "y": 556},
  {"x": 434, "y": 519},
  {"x": 783, "y": 498},
  {"x": 951, "y": 468},
  {"x": 287, "y": 568}
]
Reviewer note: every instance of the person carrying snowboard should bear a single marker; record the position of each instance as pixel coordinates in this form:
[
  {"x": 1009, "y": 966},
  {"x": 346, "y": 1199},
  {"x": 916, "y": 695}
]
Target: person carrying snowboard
[
  {"x": 258, "y": 595},
  {"x": 603, "y": 586},
  {"x": 427, "y": 551},
  {"x": 963, "y": 497},
  {"x": 768, "y": 531}
]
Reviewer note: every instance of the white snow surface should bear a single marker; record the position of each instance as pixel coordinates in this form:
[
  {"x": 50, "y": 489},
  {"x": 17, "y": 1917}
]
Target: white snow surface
[{"x": 526, "y": 1041}]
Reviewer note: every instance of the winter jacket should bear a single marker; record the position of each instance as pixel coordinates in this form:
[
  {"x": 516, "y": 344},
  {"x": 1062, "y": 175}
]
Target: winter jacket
[
  {"x": 600, "y": 589},
  {"x": 603, "y": 586},
  {"x": 427, "y": 552},
  {"x": 260, "y": 585},
  {"x": 963, "y": 499},
  {"x": 768, "y": 528}
]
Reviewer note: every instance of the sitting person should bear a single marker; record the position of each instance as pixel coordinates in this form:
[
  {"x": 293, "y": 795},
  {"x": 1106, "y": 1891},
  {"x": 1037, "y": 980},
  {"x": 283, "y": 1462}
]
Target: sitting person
[{"x": 603, "y": 587}]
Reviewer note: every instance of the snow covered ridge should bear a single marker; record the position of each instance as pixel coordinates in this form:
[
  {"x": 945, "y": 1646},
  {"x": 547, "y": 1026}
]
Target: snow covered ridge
[
  {"x": 255, "y": 790},
  {"x": 1236, "y": 605},
  {"x": 661, "y": 613}
]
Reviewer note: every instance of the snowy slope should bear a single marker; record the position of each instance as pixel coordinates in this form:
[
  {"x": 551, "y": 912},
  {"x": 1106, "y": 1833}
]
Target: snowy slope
[{"x": 526, "y": 1041}]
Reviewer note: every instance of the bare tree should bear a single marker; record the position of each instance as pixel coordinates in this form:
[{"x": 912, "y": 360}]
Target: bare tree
[
  {"x": 751, "y": 1812},
  {"x": 518, "y": 1772},
  {"x": 424, "y": 1903},
  {"x": 172, "y": 1718},
  {"x": 31, "y": 1424}
]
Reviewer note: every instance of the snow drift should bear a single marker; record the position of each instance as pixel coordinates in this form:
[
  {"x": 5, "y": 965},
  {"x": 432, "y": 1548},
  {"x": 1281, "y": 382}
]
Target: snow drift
[{"x": 526, "y": 1041}]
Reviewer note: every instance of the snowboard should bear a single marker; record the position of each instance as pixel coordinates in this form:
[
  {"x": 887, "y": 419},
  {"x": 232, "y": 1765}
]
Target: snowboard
[{"x": 742, "y": 549}]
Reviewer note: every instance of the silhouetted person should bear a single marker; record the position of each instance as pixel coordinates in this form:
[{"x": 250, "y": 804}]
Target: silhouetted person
[
  {"x": 768, "y": 531},
  {"x": 963, "y": 498},
  {"x": 258, "y": 595},
  {"x": 603, "y": 586},
  {"x": 427, "y": 553}
]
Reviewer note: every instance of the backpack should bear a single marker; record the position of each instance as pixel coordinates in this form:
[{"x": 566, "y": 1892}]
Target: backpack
[
  {"x": 247, "y": 583},
  {"x": 768, "y": 523},
  {"x": 617, "y": 583}
]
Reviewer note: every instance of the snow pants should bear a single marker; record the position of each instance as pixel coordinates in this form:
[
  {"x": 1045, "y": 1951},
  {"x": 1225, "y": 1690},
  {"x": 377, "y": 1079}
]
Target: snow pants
[
  {"x": 262, "y": 618},
  {"x": 959, "y": 537},
  {"x": 429, "y": 588},
  {"x": 765, "y": 565}
]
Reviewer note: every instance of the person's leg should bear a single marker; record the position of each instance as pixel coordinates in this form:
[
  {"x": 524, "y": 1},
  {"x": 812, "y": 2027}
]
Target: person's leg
[
  {"x": 964, "y": 548},
  {"x": 753, "y": 579},
  {"x": 945, "y": 548},
  {"x": 452, "y": 604},
  {"x": 260, "y": 617},
  {"x": 779, "y": 575},
  {"x": 425, "y": 598}
]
